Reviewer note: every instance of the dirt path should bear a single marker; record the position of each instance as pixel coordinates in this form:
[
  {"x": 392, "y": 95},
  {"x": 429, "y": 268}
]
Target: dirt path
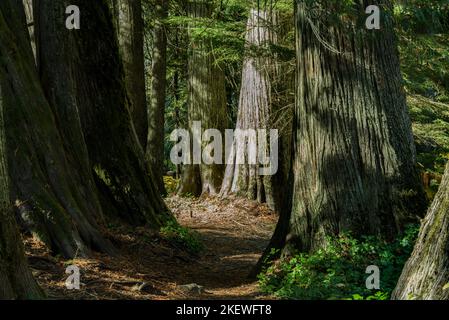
[{"x": 234, "y": 233}]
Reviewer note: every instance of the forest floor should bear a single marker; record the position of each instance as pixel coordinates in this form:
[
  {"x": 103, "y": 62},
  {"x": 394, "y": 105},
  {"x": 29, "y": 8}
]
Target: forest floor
[{"x": 234, "y": 232}]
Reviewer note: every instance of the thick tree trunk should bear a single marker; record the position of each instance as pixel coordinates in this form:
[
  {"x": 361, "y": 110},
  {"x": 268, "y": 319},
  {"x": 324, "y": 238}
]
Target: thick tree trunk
[
  {"x": 354, "y": 156},
  {"x": 16, "y": 280},
  {"x": 156, "y": 119},
  {"x": 427, "y": 271},
  {"x": 207, "y": 103},
  {"x": 124, "y": 180},
  {"x": 129, "y": 28},
  {"x": 44, "y": 181},
  {"x": 256, "y": 108}
]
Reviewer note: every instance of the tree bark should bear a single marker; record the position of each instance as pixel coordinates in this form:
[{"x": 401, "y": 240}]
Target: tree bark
[
  {"x": 256, "y": 109},
  {"x": 156, "y": 118},
  {"x": 207, "y": 103},
  {"x": 129, "y": 27},
  {"x": 16, "y": 280},
  {"x": 124, "y": 181},
  {"x": 354, "y": 156},
  {"x": 43, "y": 180},
  {"x": 427, "y": 271}
]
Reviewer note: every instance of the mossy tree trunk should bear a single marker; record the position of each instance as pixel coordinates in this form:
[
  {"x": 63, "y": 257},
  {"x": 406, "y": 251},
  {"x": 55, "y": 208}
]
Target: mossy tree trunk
[
  {"x": 124, "y": 180},
  {"x": 156, "y": 118},
  {"x": 354, "y": 156},
  {"x": 207, "y": 102},
  {"x": 427, "y": 271},
  {"x": 129, "y": 27},
  {"x": 44, "y": 178}
]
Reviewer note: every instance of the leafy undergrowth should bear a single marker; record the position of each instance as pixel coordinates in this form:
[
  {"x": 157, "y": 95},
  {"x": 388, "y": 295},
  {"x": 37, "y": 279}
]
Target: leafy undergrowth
[
  {"x": 339, "y": 270},
  {"x": 182, "y": 237}
]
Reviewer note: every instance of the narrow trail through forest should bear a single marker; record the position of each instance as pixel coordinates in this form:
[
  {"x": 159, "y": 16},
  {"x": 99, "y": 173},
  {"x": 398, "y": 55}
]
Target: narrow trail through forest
[{"x": 234, "y": 233}]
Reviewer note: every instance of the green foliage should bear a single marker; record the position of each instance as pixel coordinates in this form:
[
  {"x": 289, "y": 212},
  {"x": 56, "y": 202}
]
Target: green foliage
[
  {"x": 423, "y": 16},
  {"x": 425, "y": 68},
  {"x": 182, "y": 237},
  {"x": 171, "y": 184},
  {"x": 338, "y": 271}
]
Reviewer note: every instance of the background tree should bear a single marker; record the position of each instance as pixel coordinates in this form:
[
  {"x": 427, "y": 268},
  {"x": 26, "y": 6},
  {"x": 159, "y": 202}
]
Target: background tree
[
  {"x": 259, "y": 105},
  {"x": 206, "y": 100},
  {"x": 129, "y": 27},
  {"x": 156, "y": 114},
  {"x": 427, "y": 271}
]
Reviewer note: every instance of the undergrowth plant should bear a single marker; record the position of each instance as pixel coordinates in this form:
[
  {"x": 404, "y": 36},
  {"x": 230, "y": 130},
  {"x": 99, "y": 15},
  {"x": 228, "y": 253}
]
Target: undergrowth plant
[
  {"x": 338, "y": 271},
  {"x": 182, "y": 237}
]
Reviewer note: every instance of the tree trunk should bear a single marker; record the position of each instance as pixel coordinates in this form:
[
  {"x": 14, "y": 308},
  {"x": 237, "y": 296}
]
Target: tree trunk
[
  {"x": 427, "y": 271},
  {"x": 129, "y": 28},
  {"x": 28, "y": 5},
  {"x": 156, "y": 119},
  {"x": 354, "y": 156},
  {"x": 256, "y": 109},
  {"x": 207, "y": 103},
  {"x": 16, "y": 280},
  {"x": 44, "y": 182},
  {"x": 123, "y": 178}
]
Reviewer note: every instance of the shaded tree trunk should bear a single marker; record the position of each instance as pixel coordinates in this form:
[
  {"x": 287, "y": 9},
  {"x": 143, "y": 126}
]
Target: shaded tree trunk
[
  {"x": 124, "y": 181},
  {"x": 156, "y": 118},
  {"x": 44, "y": 182},
  {"x": 129, "y": 27},
  {"x": 427, "y": 271},
  {"x": 207, "y": 103},
  {"x": 256, "y": 108},
  {"x": 354, "y": 156},
  {"x": 16, "y": 280}
]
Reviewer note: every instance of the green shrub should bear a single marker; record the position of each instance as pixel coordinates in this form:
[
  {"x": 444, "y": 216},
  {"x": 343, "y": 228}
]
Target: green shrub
[
  {"x": 338, "y": 271},
  {"x": 171, "y": 184},
  {"x": 182, "y": 236}
]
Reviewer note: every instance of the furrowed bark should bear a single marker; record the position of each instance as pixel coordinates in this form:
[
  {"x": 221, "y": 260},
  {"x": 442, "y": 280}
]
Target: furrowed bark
[
  {"x": 257, "y": 107},
  {"x": 43, "y": 180},
  {"x": 156, "y": 118},
  {"x": 129, "y": 27},
  {"x": 124, "y": 180},
  {"x": 354, "y": 156},
  {"x": 16, "y": 280},
  {"x": 427, "y": 271},
  {"x": 207, "y": 103}
]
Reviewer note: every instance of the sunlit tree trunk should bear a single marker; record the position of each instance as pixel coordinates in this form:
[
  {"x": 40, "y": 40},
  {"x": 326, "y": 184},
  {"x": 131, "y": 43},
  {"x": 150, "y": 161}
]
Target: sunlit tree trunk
[
  {"x": 427, "y": 271},
  {"x": 256, "y": 108},
  {"x": 156, "y": 119},
  {"x": 207, "y": 103}
]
